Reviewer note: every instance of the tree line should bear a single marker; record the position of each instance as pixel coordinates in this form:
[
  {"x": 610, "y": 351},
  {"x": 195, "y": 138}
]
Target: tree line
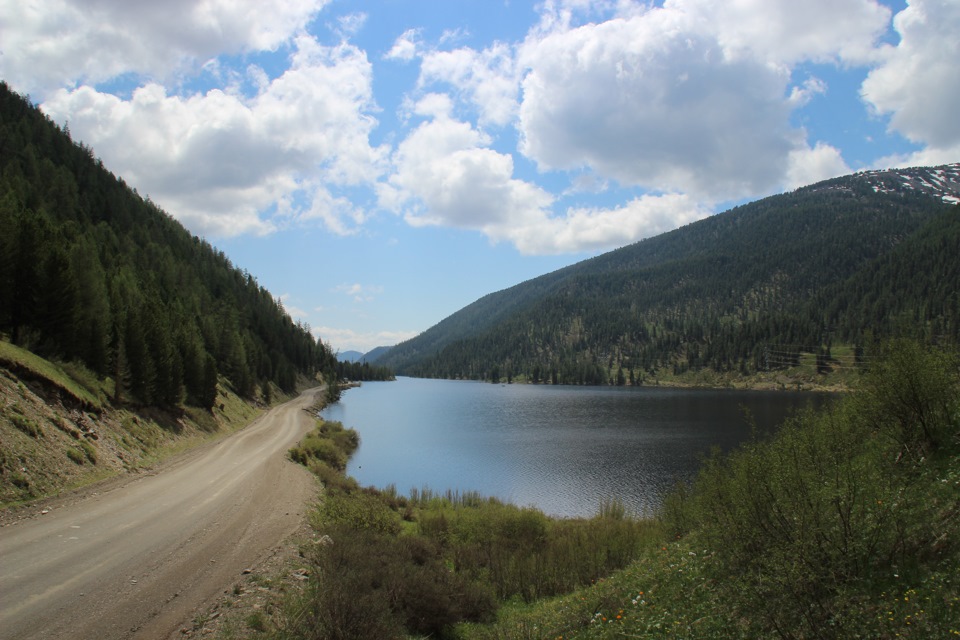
[
  {"x": 839, "y": 263},
  {"x": 92, "y": 272}
]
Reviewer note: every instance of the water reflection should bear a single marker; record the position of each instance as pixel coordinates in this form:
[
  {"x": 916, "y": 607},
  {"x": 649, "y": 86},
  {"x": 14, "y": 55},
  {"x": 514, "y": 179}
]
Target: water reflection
[{"x": 561, "y": 449}]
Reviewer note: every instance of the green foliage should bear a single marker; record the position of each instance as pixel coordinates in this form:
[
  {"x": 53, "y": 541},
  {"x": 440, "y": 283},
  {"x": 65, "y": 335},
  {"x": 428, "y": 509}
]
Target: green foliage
[
  {"x": 830, "y": 529},
  {"x": 387, "y": 566},
  {"x": 89, "y": 451},
  {"x": 329, "y": 443},
  {"x": 841, "y": 501},
  {"x": 371, "y": 585},
  {"x": 744, "y": 291},
  {"x": 360, "y": 511},
  {"x": 910, "y": 395},
  {"x": 26, "y": 425},
  {"x": 91, "y": 272},
  {"x": 359, "y": 371},
  {"x": 28, "y": 365}
]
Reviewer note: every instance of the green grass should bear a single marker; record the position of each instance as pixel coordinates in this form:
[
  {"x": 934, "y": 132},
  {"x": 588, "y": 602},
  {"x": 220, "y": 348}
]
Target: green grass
[
  {"x": 25, "y": 362},
  {"x": 846, "y": 524}
]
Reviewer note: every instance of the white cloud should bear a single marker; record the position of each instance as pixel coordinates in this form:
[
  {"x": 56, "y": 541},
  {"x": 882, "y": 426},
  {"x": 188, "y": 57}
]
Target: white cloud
[
  {"x": 585, "y": 229},
  {"x": 488, "y": 79},
  {"x": 359, "y": 292},
  {"x": 807, "y": 166},
  {"x": 363, "y": 341},
  {"x": 651, "y": 101},
  {"x": 48, "y": 44},
  {"x": 405, "y": 47},
  {"x": 351, "y": 24},
  {"x": 445, "y": 174},
  {"x": 785, "y": 32},
  {"x": 918, "y": 82},
  {"x": 219, "y": 161},
  {"x": 694, "y": 96},
  {"x": 803, "y": 94}
]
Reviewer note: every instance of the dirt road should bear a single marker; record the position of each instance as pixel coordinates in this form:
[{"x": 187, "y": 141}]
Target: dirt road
[{"x": 140, "y": 560}]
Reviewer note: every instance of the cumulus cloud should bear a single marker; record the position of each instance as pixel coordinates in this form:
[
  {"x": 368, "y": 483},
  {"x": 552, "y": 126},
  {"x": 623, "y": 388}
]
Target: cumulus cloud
[
  {"x": 585, "y": 229},
  {"x": 363, "y": 341},
  {"x": 359, "y": 292},
  {"x": 651, "y": 101},
  {"x": 917, "y": 84},
  {"x": 810, "y": 165},
  {"x": 785, "y": 32},
  {"x": 691, "y": 100},
  {"x": 51, "y": 43},
  {"x": 694, "y": 96},
  {"x": 405, "y": 47},
  {"x": 218, "y": 161},
  {"x": 446, "y": 174},
  {"x": 488, "y": 79}
]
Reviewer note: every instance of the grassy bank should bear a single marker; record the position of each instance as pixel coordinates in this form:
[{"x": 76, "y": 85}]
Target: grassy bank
[
  {"x": 60, "y": 431},
  {"x": 844, "y": 525}
]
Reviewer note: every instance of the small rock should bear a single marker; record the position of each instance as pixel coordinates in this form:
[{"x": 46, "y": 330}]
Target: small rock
[
  {"x": 247, "y": 571},
  {"x": 133, "y": 582},
  {"x": 45, "y": 512}
]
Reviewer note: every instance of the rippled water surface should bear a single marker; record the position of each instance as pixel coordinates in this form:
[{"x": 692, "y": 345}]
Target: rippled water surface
[{"x": 561, "y": 449}]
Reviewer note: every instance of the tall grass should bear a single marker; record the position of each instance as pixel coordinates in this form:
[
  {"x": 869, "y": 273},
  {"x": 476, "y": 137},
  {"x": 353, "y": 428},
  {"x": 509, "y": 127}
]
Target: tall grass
[
  {"x": 846, "y": 524},
  {"x": 421, "y": 564}
]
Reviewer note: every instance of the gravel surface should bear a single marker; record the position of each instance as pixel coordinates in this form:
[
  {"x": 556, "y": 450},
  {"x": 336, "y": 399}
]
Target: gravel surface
[{"x": 142, "y": 559}]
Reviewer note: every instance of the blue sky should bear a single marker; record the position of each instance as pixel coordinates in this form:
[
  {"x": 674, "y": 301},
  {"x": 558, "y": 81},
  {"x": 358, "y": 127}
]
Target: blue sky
[{"x": 379, "y": 165}]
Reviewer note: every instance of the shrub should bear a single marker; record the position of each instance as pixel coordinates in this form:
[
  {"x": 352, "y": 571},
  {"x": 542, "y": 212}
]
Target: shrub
[
  {"x": 370, "y": 585},
  {"x": 827, "y": 506},
  {"x": 75, "y": 455},
  {"x": 361, "y": 511},
  {"x": 26, "y": 425},
  {"x": 329, "y": 443},
  {"x": 910, "y": 394},
  {"x": 89, "y": 451}
]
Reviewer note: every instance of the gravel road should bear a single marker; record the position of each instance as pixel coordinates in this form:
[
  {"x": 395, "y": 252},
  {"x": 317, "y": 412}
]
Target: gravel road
[{"x": 141, "y": 559}]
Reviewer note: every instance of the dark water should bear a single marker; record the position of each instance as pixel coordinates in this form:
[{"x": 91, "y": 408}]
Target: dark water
[{"x": 560, "y": 449}]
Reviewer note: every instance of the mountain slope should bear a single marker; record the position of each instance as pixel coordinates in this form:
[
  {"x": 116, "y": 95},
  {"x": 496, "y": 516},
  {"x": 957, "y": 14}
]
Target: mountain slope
[
  {"x": 91, "y": 272},
  {"x": 794, "y": 269}
]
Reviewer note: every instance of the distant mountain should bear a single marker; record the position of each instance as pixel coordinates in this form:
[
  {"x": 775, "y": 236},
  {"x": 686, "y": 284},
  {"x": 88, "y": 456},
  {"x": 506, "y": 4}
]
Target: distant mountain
[
  {"x": 374, "y": 355},
  {"x": 846, "y": 261},
  {"x": 350, "y": 356}
]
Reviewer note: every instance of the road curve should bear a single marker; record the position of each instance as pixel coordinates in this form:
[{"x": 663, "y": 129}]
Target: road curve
[{"x": 139, "y": 561}]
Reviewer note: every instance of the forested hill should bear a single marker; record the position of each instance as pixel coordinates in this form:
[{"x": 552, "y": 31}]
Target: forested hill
[
  {"x": 845, "y": 261},
  {"x": 91, "y": 272}
]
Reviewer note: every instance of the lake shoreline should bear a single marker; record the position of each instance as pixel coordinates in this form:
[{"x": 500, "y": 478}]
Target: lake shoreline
[{"x": 560, "y": 448}]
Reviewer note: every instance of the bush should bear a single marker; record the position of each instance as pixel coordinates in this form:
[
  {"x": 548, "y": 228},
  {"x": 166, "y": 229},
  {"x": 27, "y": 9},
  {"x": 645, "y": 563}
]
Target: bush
[
  {"x": 329, "y": 443},
  {"x": 75, "y": 455},
  {"x": 89, "y": 451},
  {"x": 910, "y": 395},
  {"x": 361, "y": 511},
  {"x": 828, "y": 506},
  {"x": 371, "y": 585},
  {"x": 26, "y": 425}
]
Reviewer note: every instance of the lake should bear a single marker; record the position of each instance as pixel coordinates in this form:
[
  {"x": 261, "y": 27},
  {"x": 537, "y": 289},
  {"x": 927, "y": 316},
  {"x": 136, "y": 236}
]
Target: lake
[{"x": 558, "y": 448}]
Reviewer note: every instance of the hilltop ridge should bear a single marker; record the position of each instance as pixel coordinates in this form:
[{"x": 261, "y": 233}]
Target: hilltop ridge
[{"x": 795, "y": 273}]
